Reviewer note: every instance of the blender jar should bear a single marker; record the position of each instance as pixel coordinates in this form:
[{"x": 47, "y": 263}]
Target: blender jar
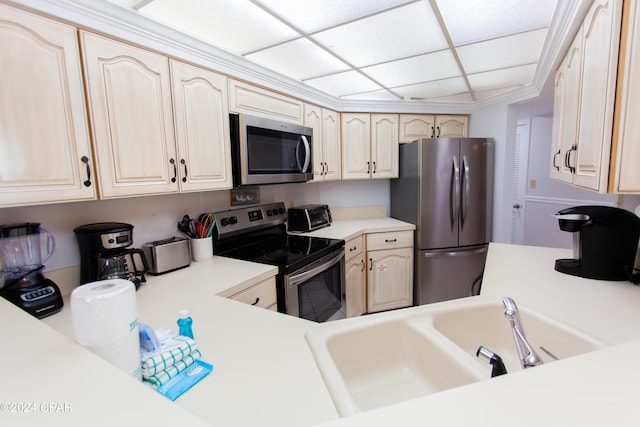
[{"x": 20, "y": 250}]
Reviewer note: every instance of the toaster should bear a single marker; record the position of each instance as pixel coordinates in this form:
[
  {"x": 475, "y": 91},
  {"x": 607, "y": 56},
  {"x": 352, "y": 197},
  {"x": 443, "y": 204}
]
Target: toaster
[
  {"x": 308, "y": 218},
  {"x": 167, "y": 255}
]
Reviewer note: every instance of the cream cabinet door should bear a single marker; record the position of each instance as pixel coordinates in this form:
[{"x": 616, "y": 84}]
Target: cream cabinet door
[
  {"x": 331, "y": 143},
  {"x": 626, "y": 173},
  {"x": 415, "y": 126},
  {"x": 384, "y": 146},
  {"x": 201, "y": 116},
  {"x": 566, "y": 111},
  {"x": 45, "y": 151},
  {"x": 129, "y": 94},
  {"x": 356, "y": 146},
  {"x": 313, "y": 120},
  {"x": 246, "y": 98},
  {"x": 389, "y": 279},
  {"x": 355, "y": 286},
  {"x": 451, "y": 126},
  {"x": 601, "y": 36}
]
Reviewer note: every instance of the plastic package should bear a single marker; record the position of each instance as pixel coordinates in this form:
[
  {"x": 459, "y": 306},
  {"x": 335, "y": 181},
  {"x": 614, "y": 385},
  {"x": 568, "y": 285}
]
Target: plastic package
[
  {"x": 148, "y": 340},
  {"x": 185, "y": 380},
  {"x": 184, "y": 324}
]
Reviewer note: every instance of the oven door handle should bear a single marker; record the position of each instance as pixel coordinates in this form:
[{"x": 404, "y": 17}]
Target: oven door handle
[{"x": 323, "y": 264}]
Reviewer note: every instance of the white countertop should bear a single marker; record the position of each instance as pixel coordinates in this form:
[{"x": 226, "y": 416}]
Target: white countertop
[{"x": 264, "y": 372}]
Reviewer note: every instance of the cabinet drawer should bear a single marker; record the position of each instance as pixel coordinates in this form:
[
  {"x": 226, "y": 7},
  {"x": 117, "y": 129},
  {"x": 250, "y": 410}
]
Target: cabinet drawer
[
  {"x": 353, "y": 247},
  {"x": 389, "y": 240},
  {"x": 261, "y": 295}
]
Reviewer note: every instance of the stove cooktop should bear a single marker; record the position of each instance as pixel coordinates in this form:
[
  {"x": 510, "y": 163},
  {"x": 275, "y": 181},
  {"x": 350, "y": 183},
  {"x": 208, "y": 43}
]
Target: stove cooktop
[{"x": 263, "y": 238}]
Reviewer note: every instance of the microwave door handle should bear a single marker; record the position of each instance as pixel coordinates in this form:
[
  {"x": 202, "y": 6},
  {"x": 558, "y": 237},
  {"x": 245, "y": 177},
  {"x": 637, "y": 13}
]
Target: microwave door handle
[{"x": 307, "y": 153}]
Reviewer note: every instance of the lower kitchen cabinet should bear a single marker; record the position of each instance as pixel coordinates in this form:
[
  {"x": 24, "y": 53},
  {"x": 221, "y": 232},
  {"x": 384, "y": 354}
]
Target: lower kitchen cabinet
[
  {"x": 389, "y": 270},
  {"x": 355, "y": 277},
  {"x": 262, "y": 294}
]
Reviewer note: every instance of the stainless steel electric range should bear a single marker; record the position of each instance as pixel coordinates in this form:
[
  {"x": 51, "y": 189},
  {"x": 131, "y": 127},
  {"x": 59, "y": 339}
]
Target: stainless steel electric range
[{"x": 310, "y": 280}]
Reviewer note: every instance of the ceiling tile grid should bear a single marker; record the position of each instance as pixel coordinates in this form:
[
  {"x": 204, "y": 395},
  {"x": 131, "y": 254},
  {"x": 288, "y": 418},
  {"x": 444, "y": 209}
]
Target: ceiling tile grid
[{"x": 436, "y": 50}]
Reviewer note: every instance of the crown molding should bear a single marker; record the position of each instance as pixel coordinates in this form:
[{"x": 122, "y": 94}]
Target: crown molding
[{"x": 127, "y": 25}]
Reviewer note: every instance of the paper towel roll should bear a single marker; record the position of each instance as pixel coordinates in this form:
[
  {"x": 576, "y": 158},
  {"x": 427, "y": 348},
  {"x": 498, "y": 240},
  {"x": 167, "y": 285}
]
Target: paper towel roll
[{"x": 105, "y": 320}]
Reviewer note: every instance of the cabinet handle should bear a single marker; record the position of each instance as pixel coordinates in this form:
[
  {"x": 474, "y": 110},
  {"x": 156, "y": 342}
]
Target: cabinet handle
[
  {"x": 567, "y": 158},
  {"x": 184, "y": 163},
  {"x": 390, "y": 240},
  {"x": 175, "y": 170},
  {"x": 353, "y": 249},
  {"x": 374, "y": 167},
  {"x": 555, "y": 157},
  {"x": 362, "y": 269},
  {"x": 325, "y": 168},
  {"x": 368, "y": 167},
  {"x": 256, "y": 301},
  {"x": 370, "y": 264},
  {"x": 85, "y": 160},
  {"x": 432, "y": 133},
  {"x": 438, "y": 134}
]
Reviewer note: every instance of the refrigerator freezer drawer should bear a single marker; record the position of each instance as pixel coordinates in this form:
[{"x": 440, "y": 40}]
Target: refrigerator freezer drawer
[{"x": 449, "y": 274}]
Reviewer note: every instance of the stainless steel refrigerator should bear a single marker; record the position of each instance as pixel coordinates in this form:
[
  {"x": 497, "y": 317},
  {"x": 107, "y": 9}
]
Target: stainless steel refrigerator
[{"x": 445, "y": 188}]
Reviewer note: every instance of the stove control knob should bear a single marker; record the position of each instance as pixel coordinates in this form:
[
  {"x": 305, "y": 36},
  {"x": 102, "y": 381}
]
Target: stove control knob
[
  {"x": 269, "y": 212},
  {"x": 233, "y": 220},
  {"x": 224, "y": 221},
  {"x": 280, "y": 211}
]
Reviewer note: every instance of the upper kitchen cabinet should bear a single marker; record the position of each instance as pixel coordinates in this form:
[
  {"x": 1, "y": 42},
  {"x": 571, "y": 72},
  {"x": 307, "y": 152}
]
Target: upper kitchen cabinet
[
  {"x": 326, "y": 142},
  {"x": 201, "y": 116},
  {"x": 369, "y": 146},
  {"x": 45, "y": 150},
  {"x": 129, "y": 95},
  {"x": 624, "y": 170},
  {"x": 584, "y": 156},
  {"x": 415, "y": 126},
  {"x": 246, "y": 98}
]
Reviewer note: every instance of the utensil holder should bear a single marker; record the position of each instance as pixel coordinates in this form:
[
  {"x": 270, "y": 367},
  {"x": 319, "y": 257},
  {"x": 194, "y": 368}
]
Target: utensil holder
[{"x": 202, "y": 249}]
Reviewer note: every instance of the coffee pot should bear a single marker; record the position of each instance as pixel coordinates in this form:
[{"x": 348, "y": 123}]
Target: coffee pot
[
  {"x": 105, "y": 253},
  {"x": 605, "y": 242}
]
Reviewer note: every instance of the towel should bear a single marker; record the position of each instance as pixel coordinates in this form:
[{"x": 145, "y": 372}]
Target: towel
[
  {"x": 165, "y": 375},
  {"x": 174, "y": 348}
]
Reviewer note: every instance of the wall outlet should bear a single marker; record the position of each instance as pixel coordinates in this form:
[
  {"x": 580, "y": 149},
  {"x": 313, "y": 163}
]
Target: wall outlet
[{"x": 532, "y": 184}]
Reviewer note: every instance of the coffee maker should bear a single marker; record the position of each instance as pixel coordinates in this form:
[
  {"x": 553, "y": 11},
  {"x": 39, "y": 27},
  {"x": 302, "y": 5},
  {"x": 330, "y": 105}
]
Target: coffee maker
[
  {"x": 605, "y": 242},
  {"x": 105, "y": 253},
  {"x": 21, "y": 265}
]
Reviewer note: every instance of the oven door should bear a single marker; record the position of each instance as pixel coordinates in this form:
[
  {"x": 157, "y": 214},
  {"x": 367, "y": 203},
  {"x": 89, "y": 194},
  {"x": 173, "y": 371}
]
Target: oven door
[{"x": 316, "y": 292}]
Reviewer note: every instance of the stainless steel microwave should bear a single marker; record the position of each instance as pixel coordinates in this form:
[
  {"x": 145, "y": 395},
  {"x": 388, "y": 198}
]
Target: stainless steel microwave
[{"x": 266, "y": 151}]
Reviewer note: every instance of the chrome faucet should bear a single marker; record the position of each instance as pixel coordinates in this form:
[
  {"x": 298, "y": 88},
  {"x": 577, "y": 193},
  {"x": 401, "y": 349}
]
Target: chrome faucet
[{"x": 528, "y": 357}]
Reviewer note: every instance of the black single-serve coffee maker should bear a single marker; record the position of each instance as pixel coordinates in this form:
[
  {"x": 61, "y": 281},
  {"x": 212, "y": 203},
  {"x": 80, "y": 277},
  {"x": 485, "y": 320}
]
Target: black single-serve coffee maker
[
  {"x": 104, "y": 253},
  {"x": 605, "y": 242}
]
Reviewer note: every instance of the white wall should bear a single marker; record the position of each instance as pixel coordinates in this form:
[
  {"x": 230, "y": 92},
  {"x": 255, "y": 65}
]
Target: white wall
[{"x": 156, "y": 217}]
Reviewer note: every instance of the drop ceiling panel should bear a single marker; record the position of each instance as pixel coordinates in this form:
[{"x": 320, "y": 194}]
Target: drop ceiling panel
[
  {"x": 509, "y": 77},
  {"x": 313, "y": 15},
  {"x": 235, "y": 26},
  {"x": 472, "y": 21},
  {"x": 399, "y": 33},
  {"x": 299, "y": 59},
  {"x": 518, "y": 49},
  {"x": 432, "y": 89},
  {"x": 418, "y": 69},
  {"x": 347, "y": 83}
]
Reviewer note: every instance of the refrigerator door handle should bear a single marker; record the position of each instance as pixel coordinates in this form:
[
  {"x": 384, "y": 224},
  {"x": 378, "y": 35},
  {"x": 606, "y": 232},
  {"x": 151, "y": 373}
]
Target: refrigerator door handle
[
  {"x": 454, "y": 200},
  {"x": 466, "y": 194}
]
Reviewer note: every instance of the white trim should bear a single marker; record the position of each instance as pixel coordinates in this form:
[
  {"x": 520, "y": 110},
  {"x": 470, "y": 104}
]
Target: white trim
[{"x": 564, "y": 202}]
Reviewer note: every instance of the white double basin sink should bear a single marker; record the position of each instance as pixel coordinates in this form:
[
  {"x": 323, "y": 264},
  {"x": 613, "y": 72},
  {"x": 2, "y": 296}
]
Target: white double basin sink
[{"x": 386, "y": 358}]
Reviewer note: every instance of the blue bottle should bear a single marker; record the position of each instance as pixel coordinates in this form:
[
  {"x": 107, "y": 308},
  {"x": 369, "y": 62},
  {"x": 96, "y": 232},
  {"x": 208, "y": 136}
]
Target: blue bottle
[{"x": 184, "y": 324}]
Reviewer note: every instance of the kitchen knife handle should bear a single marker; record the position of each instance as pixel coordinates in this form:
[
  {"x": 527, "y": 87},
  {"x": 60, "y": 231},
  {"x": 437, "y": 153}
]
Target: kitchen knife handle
[{"x": 85, "y": 160}]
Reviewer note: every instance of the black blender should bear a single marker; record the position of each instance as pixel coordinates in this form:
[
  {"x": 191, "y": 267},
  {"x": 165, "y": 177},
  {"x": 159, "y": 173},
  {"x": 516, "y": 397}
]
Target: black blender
[{"x": 21, "y": 265}]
